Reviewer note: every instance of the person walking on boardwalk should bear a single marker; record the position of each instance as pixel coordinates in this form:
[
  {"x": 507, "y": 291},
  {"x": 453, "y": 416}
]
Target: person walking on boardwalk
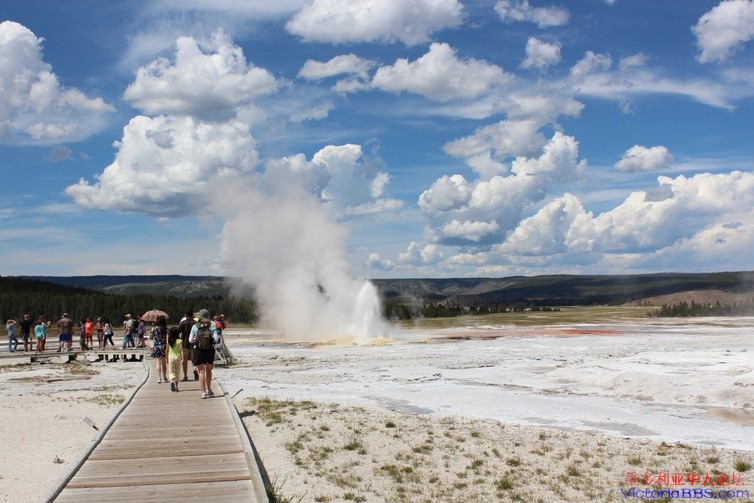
[
  {"x": 202, "y": 339},
  {"x": 40, "y": 333},
  {"x": 185, "y": 325},
  {"x": 99, "y": 327},
  {"x": 89, "y": 333},
  {"x": 82, "y": 336},
  {"x": 26, "y": 326},
  {"x": 129, "y": 329},
  {"x": 159, "y": 336},
  {"x": 141, "y": 329},
  {"x": 175, "y": 356},
  {"x": 107, "y": 333},
  {"x": 10, "y": 326},
  {"x": 65, "y": 333}
]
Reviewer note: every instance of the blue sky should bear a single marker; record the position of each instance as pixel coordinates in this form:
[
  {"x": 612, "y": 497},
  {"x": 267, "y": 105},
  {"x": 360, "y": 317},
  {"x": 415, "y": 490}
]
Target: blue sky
[{"x": 381, "y": 138}]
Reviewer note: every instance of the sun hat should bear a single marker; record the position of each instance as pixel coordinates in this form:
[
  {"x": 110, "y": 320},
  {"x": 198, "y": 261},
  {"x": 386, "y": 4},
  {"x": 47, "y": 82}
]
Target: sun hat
[{"x": 202, "y": 315}]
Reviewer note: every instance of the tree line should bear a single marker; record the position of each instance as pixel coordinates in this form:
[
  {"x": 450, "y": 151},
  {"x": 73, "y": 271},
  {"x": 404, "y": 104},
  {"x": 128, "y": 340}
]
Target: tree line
[
  {"x": 19, "y": 296},
  {"x": 687, "y": 310},
  {"x": 396, "y": 310}
]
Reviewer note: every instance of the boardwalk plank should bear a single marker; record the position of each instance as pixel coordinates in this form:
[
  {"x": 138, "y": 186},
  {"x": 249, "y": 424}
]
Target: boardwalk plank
[{"x": 193, "y": 492}]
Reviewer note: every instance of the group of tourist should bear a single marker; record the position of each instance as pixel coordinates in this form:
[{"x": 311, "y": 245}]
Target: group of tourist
[
  {"x": 31, "y": 333},
  {"x": 193, "y": 339}
]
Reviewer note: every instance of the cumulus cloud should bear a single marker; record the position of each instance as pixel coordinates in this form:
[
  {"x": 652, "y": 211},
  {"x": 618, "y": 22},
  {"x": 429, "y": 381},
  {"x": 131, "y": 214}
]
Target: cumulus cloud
[
  {"x": 482, "y": 212},
  {"x": 165, "y": 166},
  {"x": 375, "y": 261},
  {"x": 420, "y": 255},
  {"x": 520, "y": 10},
  {"x": 639, "y": 158},
  {"x": 208, "y": 79},
  {"x": 344, "y": 21},
  {"x": 498, "y": 141},
  {"x": 546, "y": 232},
  {"x": 339, "y": 176},
  {"x": 724, "y": 29},
  {"x": 441, "y": 76},
  {"x": 680, "y": 210},
  {"x": 34, "y": 107},
  {"x": 704, "y": 220},
  {"x": 446, "y": 193},
  {"x": 348, "y": 64},
  {"x": 540, "y": 54}
]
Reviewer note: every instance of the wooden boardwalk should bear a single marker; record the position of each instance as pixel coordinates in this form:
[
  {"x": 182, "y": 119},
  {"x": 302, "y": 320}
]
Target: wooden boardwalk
[{"x": 166, "y": 447}]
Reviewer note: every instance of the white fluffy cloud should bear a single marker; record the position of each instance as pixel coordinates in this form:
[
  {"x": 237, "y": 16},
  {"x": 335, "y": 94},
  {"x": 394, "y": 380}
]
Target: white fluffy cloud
[
  {"x": 724, "y": 29},
  {"x": 546, "y": 232},
  {"x": 441, "y": 76},
  {"x": 339, "y": 176},
  {"x": 165, "y": 166},
  {"x": 540, "y": 54},
  {"x": 639, "y": 158},
  {"x": 521, "y": 10},
  {"x": 681, "y": 213},
  {"x": 420, "y": 255},
  {"x": 348, "y": 64},
  {"x": 34, "y": 107},
  {"x": 497, "y": 142},
  {"x": 482, "y": 212},
  {"x": 209, "y": 79},
  {"x": 343, "y": 21},
  {"x": 679, "y": 209}
]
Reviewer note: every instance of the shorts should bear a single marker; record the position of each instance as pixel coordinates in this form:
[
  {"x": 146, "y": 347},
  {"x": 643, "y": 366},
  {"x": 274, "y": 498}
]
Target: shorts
[
  {"x": 64, "y": 337},
  {"x": 203, "y": 356}
]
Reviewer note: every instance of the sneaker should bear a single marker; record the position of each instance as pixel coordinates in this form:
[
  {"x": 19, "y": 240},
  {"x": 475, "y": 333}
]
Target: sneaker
[
  {"x": 173, "y": 387},
  {"x": 159, "y": 382},
  {"x": 185, "y": 378},
  {"x": 196, "y": 375},
  {"x": 210, "y": 393},
  {"x": 204, "y": 395}
]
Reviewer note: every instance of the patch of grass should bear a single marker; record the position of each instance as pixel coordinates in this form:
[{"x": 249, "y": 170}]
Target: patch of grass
[
  {"x": 634, "y": 461},
  {"x": 504, "y": 484},
  {"x": 422, "y": 449},
  {"x": 349, "y": 496},
  {"x": 390, "y": 424},
  {"x": 399, "y": 474},
  {"x": 106, "y": 399},
  {"x": 354, "y": 445},
  {"x": 742, "y": 466},
  {"x": 573, "y": 471},
  {"x": 274, "y": 493}
]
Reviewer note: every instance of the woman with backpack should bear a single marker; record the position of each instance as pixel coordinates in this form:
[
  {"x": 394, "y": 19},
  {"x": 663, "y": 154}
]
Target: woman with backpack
[{"x": 203, "y": 352}]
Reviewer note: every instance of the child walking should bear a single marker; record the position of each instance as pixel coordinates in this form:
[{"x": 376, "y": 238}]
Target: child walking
[{"x": 175, "y": 345}]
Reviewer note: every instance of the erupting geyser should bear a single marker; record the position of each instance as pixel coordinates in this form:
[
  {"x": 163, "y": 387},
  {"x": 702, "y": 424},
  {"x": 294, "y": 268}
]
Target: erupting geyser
[{"x": 367, "y": 316}]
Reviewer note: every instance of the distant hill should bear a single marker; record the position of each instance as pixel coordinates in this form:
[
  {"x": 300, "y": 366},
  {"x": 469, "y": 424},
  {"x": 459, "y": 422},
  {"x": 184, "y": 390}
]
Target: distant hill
[
  {"x": 550, "y": 289},
  {"x": 175, "y": 285}
]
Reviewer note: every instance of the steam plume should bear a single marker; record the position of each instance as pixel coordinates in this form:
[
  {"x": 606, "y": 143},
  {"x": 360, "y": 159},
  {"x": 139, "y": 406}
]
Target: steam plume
[{"x": 286, "y": 246}]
